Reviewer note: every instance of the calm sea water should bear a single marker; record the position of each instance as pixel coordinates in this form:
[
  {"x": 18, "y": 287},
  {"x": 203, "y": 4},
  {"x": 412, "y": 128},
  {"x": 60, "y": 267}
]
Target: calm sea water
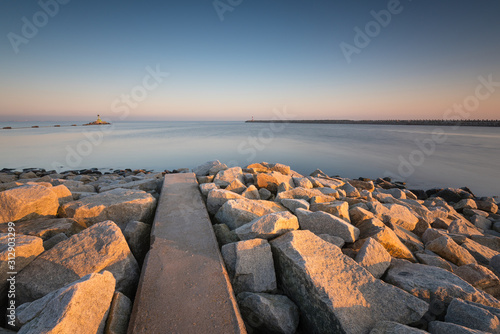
[{"x": 465, "y": 156}]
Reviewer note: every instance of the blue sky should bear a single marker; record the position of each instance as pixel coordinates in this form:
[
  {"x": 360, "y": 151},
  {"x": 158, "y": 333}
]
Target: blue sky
[{"x": 262, "y": 55}]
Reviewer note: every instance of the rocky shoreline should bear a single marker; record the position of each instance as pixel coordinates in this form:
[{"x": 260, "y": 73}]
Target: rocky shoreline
[{"x": 305, "y": 253}]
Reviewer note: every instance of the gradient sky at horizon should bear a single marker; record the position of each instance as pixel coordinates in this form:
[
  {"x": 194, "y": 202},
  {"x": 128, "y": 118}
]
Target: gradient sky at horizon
[{"x": 263, "y": 56}]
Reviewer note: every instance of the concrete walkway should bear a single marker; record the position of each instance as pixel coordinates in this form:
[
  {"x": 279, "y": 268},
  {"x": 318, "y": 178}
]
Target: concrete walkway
[{"x": 184, "y": 287}]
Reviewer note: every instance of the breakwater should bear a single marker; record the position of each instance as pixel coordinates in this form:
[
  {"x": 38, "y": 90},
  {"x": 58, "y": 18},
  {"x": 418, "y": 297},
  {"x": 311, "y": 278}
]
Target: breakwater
[{"x": 488, "y": 123}]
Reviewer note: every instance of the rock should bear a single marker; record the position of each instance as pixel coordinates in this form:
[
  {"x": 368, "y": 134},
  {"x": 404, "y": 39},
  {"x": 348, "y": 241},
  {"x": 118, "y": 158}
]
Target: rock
[
  {"x": 480, "y": 277},
  {"x": 448, "y": 249},
  {"x": 264, "y": 194},
  {"x": 409, "y": 239},
  {"x": 337, "y": 241},
  {"x": 434, "y": 260},
  {"x": 462, "y": 226},
  {"x": 251, "y": 193},
  {"x": 119, "y": 314},
  {"x": 432, "y": 234},
  {"x": 399, "y": 215},
  {"x": 302, "y": 182},
  {"x": 137, "y": 235},
  {"x": 432, "y": 283},
  {"x": 26, "y": 249},
  {"x": 337, "y": 208},
  {"x": 216, "y": 198},
  {"x": 79, "y": 307},
  {"x": 258, "y": 168},
  {"x": 362, "y": 185},
  {"x": 50, "y": 243},
  {"x": 344, "y": 298},
  {"x": 204, "y": 169},
  {"x": 271, "y": 181},
  {"x": 481, "y": 253},
  {"x": 324, "y": 223},
  {"x": 294, "y": 204},
  {"x": 236, "y": 186},
  {"x": 491, "y": 242},
  {"x": 495, "y": 264},
  {"x": 439, "y": 327},
  {"x": 358, "y": 214},
  {"x": 391, "y": 327},
  {"x": 374, "y": 258},
  {"x": 350, "y": 191},
  {"x": 250, "y": 266},
  {"x": 453, "y": 195},
  {"x": 147, "y": 185},
  {"x": 118, "y": 205},
  {"x": 386, "y": 237},
  {"x": 269, "y": 226},
  {"x": 6, "y": 178},
  {"x": 224, "y": 235},
  {"x": 465, "y": 204},
  {"x": 487, "y": 206},
  {"x": 205, "y": 179},
  {"x": 205, "y": 188},
  {"x": 269, "y": 313},
  {"x": 282, "y": 187},
  {"x": 280, "y": 168},
  {"x": 46, "y": 228},
  {"x": 28, "y": 175},
  {"x": 225, "y": 177},
  {"x": 481, "y": 222},
  {"x": 236, "y": 213},
  {"x": 471, "y": 316},
  {"x": 27, "y": 202},
  {"x": 63, "y": 194},
  {"x": 299, "y": 193},
  {"x": 394, "y": 192},
  {"x": 98, "y": 248},
  {"x": 441, "y": 223}
]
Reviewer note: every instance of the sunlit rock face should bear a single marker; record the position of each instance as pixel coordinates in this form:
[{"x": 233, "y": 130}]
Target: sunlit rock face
[{"x": 333, "y": 292}]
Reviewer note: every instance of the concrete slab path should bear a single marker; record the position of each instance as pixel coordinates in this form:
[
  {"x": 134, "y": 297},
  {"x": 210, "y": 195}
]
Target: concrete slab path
[{"x": 184, "y": 287}]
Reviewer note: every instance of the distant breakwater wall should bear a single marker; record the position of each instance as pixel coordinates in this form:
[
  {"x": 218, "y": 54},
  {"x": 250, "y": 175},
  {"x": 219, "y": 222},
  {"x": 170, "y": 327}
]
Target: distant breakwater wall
[
  {"x": 488, "y": 123},
  {"x": 46, "y": 126}
]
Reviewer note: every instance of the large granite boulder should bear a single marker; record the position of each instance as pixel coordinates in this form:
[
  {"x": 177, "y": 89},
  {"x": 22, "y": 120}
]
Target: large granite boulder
[
  {"x": 238, "y": 212},
  {"x": 269, "y": 226},
  {"x": 79, "y": 307},
  {"x": 225, "y": 177},
  {"x": 472, "y": 316},
  {"x": 450, "y": 250},
  {"x": 481, "y": 253},
  {"x": 118, "y": 205},
  {"x": 217, "y": 197},
  {"x": 250, "y": 266},
  {"x": 268, "y": 313},
  {"x": 391, "y": 327},
  {"x": 386, "y": 237},
  {"x": 299, "y": 193},
  {"x": 98, "y": 248},
  {"x": 27, "y": 202},
  {"x": 373, "y": 257},
  {"x": 137, "y": 235},
  {"x": 15, "y": 254},
  {"x": 204, "y": 169},
  {"x": 119, "y": 314},
  {"x": 320, "y": 222},
  {"x": 439, "y": 327},
  {"x": 432, "y": 283},
  {"x": 336, "y": 208},
  {"x": 45, "y": 228},
  {"x": 333, "y": 292}
]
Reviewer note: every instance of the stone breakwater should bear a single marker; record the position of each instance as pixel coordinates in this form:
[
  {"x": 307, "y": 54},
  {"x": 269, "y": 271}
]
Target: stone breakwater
[
  {"x": 320, "y": 254},
  {"x": 72, "y": 246},
  {"x": 305, "y": 254}
]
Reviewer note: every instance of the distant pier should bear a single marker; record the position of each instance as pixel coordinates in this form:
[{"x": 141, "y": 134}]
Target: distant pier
[{"x": 486, "y": 123}]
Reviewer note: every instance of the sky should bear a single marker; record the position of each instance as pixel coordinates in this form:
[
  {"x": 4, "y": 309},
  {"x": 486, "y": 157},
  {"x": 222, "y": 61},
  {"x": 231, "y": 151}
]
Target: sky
[{"x": 237, "y": 59}]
